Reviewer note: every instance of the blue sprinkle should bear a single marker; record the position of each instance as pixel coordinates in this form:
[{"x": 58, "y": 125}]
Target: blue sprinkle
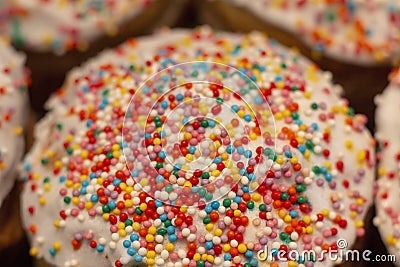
[
  {"x": 249, "y": 254},
  {"x": 160, "y": 178},
  {"x": 302, "y": 148},
  {"x": 235, "y": 108},
  {"x": 288, "y": 153},
  {"x": 172, "y": 238},
  {"x": 164, "y": 104},
  {"x": 251, "y": 176},
  {"x": 158, "y": 203},
  {"x": 211, "y": 123},
  {"x": 293, "y": 213},
  {"x": 227, "y": 257},
  {"x": 209, "y": 245},
  {"x": 131, "y": 251},
  {"x": 163, "y": 217},
  {"x": 237, "y": 199},
  {"x": 162, "y": 154},
  {"x": 116, "y": 182},
  {"x": 126, "y": 243},
  {"x": 242, "y": 171},
  {"x": 94, "y": 198},
  {"x": 100, "y": 248},
  {"x": 230, "y": 149},
  {"x": 248, "y": 154},
  {"x": 208, "y": 209},
  {"x": 62, "y": 179},
  {"x": 240, "y": 150},
  {"x": 247, "y": 118},
  {"x": 138, "y": 258},
  {"x": 192, "y": 149},
  {"x": 245, "y": 188},
  {"x": 170, "y": 229},
  {"x": 134, "y": 237},
  {"x": 112, "y": 204},
  {"x": 217, "y": 160},
  {"x": 52, "y": 251},
  {"x": 179, "y": 97},
  {"x": 215, "y": 205}
]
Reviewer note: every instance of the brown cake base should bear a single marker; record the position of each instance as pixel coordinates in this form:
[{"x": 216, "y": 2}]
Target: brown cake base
[{"x": 360, "y": 83}]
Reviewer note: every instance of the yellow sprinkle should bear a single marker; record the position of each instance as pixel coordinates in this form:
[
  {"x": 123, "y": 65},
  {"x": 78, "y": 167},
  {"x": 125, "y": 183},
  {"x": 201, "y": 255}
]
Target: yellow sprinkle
[
  {"x": 88, "y": 205},
  {"x": 287, "y": 219},
  {"x": 150, "y": 238},
  {"x": 226, "y": 247},
  {"x": 209, "y": 227},
  {"x": 42, "y": 201},
  {"x": 242, "y": 248},
  {"x": 150, "y": 261},
  {"x": 204, "y": 257},
  {"x": 309, "y": 230},
  {"x": 196, "y": 257},
  {"x": 279, "y": 160},
  {"x": 75, "y": 200},
  {"x": 152, "y": 230},
  {"x": 128, "y": 203},
  {"x": 292, "y": 264},
  {"x": 47, "y": 187},
  {"x": 215, "y": 173},
  {"x": 33, "y": 252},
  {"x": 391, "y": 241},
  {"x": 359, "y": 201},
  {"x": 106, "y": 216},
  {"x": 122, "y": 232},
  {"x": 56, "y": 223},
  {"x": 69, "y": 183},
  {"x": 136, "y": 226},
  {"x": 183, "y": 208},
  {"x": 237, "y": 213},
  {"x": 307, "y": 219},
  {"x": 361, "y": 156},
  {"x": 143, "y": 206},
  {"x": 241, "y": 113},
  {"x": 187, "y": 184},
  {"x": 169, "y": 247},
  {"x": 218, "y": 232},
  {"x": 256, "y": 197},
  {"x": 281, "y": 213},
  {"x": 359, "y": 224},
  {"x": 56, "y": 246},
  {"x": 121, "y": 225},
  {"x": 210, "y": 258},
  {"x": 189, "y": 157},
  {"x": 325, "y": 212}
]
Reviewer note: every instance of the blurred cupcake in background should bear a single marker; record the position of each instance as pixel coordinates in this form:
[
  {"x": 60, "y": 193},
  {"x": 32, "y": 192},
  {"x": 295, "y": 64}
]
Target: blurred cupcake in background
[
  {"x": 13, "y": 114},
  {"x": 356, "y": 40},
  {"x": 58, "y": 34}
]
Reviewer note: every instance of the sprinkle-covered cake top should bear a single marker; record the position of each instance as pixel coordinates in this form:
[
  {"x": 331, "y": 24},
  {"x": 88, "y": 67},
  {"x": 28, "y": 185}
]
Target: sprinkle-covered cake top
[
  {"x": 387, "y": 195},
  {"x": 60, "y": 25},
  {"x": 13, "y": 84},
  {"x": 196, "y": 148},
  {"x": 356, "y": 31}
]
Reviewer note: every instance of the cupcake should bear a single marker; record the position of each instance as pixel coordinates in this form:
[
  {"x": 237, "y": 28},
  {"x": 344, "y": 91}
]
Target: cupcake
[
  {"x": 387, "y": 212},
  {"x": 197, "y": 148},
  {"x": 13, "y": 111},
  {"x": 357, "y": 41},
  {"x": 57, "y": 35}
]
